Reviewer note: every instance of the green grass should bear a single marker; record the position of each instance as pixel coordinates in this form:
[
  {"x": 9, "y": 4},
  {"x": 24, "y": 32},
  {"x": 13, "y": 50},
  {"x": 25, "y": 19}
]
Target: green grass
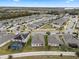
[
  {"x": 28, "y": 48},
  {"x": 48, "y": 57},
  {"x": 47, "y": 26},
  {"x": 46, "y": 40},
  {"x": 5, "y": 50},
  {"x": 29, "y": 41}
]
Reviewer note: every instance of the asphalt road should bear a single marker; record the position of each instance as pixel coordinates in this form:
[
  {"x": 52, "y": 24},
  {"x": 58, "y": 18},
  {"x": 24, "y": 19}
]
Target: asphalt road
[{"x": 38, "y": 54}]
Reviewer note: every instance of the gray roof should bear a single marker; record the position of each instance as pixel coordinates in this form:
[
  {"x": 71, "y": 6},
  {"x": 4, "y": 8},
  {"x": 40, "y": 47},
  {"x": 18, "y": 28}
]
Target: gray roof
[
  {"x": 38, "y": 39},
  {"x": 32, "y": 25},
  {"x": 54, "y": 39},
  {"x": 77, "y": 24},
  {"x": 37, "y": 24},
  {"x": 60, "y": 21},
  {"x": 5, "y": 37},
  {"x": 68, "y": 38},
  {"x": 21, "y": 36}
]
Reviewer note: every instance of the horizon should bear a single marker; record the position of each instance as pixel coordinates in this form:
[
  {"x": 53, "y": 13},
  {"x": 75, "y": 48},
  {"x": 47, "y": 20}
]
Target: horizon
[{"x": 39, "y": 3}]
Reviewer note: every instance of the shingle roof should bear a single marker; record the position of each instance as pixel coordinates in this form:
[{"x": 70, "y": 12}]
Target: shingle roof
[
  {"x": 21, "y": 36},
  {"x": 60, "y": 21},
  {"x": 77, "y": 24},
  {"x": 70, "y": 39},
  {"x": 38, "y": 39},
  {"x": 54, "y": 39},
  {"x": 5, "y": 37}
]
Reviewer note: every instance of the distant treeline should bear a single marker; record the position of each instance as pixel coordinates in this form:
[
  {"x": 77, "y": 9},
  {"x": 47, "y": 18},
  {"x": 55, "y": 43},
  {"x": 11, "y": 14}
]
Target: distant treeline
[
  {"x": 15, "y": 14},
  {"x": 9, "y": 15},
  {"x": 71, "y": 12}
]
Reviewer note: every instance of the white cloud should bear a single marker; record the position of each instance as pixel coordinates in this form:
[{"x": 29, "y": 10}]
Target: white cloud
[
  {"x": 68, "y": 1},
  {"x": 16, "y": 0},
  {"x": 71, "y": 0}
]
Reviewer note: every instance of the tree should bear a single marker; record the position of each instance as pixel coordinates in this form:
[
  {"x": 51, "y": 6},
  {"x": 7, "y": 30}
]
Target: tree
[
  {"x": 49, "y": 47},
  {"x": 77, "y": 54},
  {"x": 10, "y": 57},
  {"x": 48, "y": 33},
  {"x": 61, "y": 55}
]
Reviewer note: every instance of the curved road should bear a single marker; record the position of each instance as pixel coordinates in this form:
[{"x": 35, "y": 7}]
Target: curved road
[{"x": 38, "y": 53}]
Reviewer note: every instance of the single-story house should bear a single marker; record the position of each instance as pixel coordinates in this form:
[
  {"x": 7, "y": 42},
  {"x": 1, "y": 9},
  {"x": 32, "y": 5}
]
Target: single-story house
[
  {"x": 19, "y": 41},
  {"x": 54, "y": 40},
  {"x": 77, "y": 25},
  {"x": 5, "y": 38},
  {"x": 21, "y": 37},
  {"x": 37, "y": 40},
  {"x": 59, "y": 22},
  {"x": 71, "y": 41}
]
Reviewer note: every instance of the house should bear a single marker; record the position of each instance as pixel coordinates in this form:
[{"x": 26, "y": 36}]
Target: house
[
  {"x": 21, "y": 37},
  {"x": 41, "y": 33},
  {"x": 19, "y": 41},
  {"x": 77, "y": 25},
  {"x": 37, "y": 40},
  {"x": 5, "y": 37},
  {"x": 54, "y": 40},
  {"x": 71, "y": 41},
  {"x": 59, "y": 22}
]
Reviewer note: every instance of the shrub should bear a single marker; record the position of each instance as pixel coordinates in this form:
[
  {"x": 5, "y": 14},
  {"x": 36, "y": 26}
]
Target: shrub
[
  {"x": 10, "y": 57},
  {"x": 77, "y": 54}
]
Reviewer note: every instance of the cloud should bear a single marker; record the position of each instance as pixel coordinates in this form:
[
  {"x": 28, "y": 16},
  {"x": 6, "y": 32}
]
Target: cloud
[
  {"x": 71, "y": 0},
  {"x": 16, "y": 0},
  {"x": 68, "y": 1}
]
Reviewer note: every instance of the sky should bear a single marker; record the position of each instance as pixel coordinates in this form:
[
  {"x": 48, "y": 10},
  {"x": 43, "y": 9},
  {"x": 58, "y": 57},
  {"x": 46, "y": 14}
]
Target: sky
[{"x": 40, "y": 3}]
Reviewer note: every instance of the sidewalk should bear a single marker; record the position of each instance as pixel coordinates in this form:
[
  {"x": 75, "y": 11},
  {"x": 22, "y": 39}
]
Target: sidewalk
[{"x": 38, "y": 53}]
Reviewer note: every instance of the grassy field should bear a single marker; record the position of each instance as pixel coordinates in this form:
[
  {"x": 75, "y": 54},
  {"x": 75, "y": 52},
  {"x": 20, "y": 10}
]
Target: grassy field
[{"x": 48, "y": 57}]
